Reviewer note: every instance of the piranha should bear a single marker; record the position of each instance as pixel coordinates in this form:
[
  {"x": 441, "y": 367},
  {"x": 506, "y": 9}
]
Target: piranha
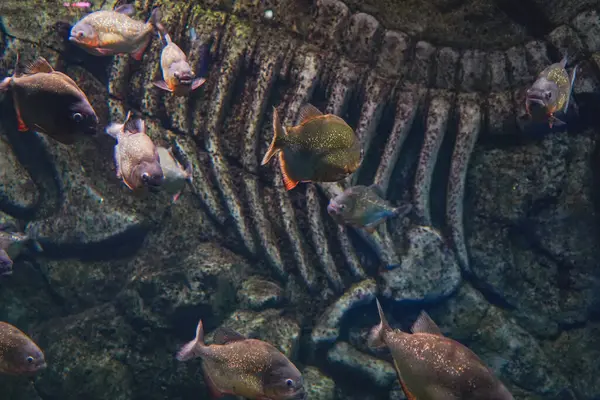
[
  {"x": 19, "y": 355},
  {"x": 136, "y": 157},
  {"x": 431, "y": 366},
  {"x": 244, "y": 367},
  {"x": 49, "y": 102},
  {"x": 363, "y": 207},
  {"x": 106, "y": 33},
  {"x": 178, "y": 76},
  {"x": 175, "y": 176},
  {"x": 550, "y": 93},
  {"x": 12, "y": 243},
  {"x": 322, "y": 148}
]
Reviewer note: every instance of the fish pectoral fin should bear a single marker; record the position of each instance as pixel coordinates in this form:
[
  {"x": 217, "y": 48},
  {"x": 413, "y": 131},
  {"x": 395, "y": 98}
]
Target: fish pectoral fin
[
  {"x": 424, "y": 324},
  {"x": 39, "y": 65},
  {"x": 197, "y": 83},
  {"x": 108, "y": 38},
  {"x": 308, "y": 112},
  {"x": 287, "y": 181},
  {"x": 162, "y": 85}
]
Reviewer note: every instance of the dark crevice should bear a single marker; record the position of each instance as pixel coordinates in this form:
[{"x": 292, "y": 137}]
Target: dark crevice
[{"x": 527, "y": 14}]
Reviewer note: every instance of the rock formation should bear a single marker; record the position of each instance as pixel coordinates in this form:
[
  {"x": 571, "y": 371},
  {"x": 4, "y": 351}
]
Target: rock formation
[{"x": 502, "y": 250}]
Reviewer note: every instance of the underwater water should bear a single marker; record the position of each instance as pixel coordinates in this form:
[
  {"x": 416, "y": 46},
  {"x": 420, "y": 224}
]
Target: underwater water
[{"x": 299, "y": 199}]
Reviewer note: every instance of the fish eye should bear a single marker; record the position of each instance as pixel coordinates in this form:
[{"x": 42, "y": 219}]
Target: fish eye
[
  {"x": 29, "y": 359},
  {"x": 342, "y": 207},
  {"x": 145, "y": 177},
  {"x": 289, "y": 383},
  {"x": 80, "y": 34},
  {"x": 77, "y": 117},
  {"x": 548, "y": 94}
]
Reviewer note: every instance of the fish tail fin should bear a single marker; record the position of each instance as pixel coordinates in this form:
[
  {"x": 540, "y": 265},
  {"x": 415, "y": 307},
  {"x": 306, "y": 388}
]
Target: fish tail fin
[
  {"x": 193, "y": 34},
  {"x": 194, "y": 348},
  {"x": 5, "y": 84},
  {"x": 402, "y": 209},
  {"x": 113, "y": 130},
  {"x": 17, "y": 70},
  {"x": 376, "y": 336},
  {"x": 278, "y": 134},
  {"x": 564, "y": 60},
  {"x": 155, "y": 20},
  {"x": 573, "y": 76},
  {"x": 189, "y": 172}
]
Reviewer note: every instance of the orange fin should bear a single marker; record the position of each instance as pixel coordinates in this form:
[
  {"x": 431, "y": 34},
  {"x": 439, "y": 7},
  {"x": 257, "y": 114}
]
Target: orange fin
[
  {"x": 308, "y": 112},
  {"x": 21, "y": 124},
  {"x": 407, "y": 392},
  {"x": 287, "y": 181},
  {"x": 39, "y": 65},
  {"x": 139, "y": 53}
]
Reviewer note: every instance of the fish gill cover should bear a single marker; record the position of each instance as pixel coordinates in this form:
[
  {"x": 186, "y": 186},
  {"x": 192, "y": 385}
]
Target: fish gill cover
[{"x": 499, "y": 247}]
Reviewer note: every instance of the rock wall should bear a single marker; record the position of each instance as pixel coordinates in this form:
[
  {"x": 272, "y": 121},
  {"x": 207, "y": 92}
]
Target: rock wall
[{"x": 502, "y": 251}]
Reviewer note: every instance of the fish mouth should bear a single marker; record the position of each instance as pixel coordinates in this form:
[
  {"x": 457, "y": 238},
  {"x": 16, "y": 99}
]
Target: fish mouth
[
  {"x": 333, "y": 208},
  {"x": 299, "y": 395},
  {"x": 153, "y": 187}
]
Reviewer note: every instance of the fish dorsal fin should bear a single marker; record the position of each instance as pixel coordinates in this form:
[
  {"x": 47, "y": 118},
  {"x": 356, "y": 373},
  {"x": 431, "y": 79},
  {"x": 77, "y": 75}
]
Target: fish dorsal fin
[
  {"x": 39, "y": 65},
  {"x": 133, "y": 124},
  {"x": 225, "y": 335},
  {"x": 126, "y": 9},
  {"x": 308, "y": 112},
  {"x": 424, "y": 324},
  {"x": 378, "y": 190}
]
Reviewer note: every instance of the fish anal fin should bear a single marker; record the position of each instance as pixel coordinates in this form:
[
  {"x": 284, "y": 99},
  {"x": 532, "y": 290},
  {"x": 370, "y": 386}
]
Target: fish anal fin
[
  {"x": 287, "y": 181},
  {"x": 139, "y": 52},
  {"x": 176, "y": 196},
  {"x": 127, "y": 9},
  {"x": 424, "y": 324},
  {"x": 21, "y": 126},
  {"x": 162, "y": 85},
  {"x": 308, "y": 112},
  {"x": 407, "y": 392},
  {"x": 224, "y": 335},
  {"x": 39, "y": 65},
  {"x": 215, "y": 393}
]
